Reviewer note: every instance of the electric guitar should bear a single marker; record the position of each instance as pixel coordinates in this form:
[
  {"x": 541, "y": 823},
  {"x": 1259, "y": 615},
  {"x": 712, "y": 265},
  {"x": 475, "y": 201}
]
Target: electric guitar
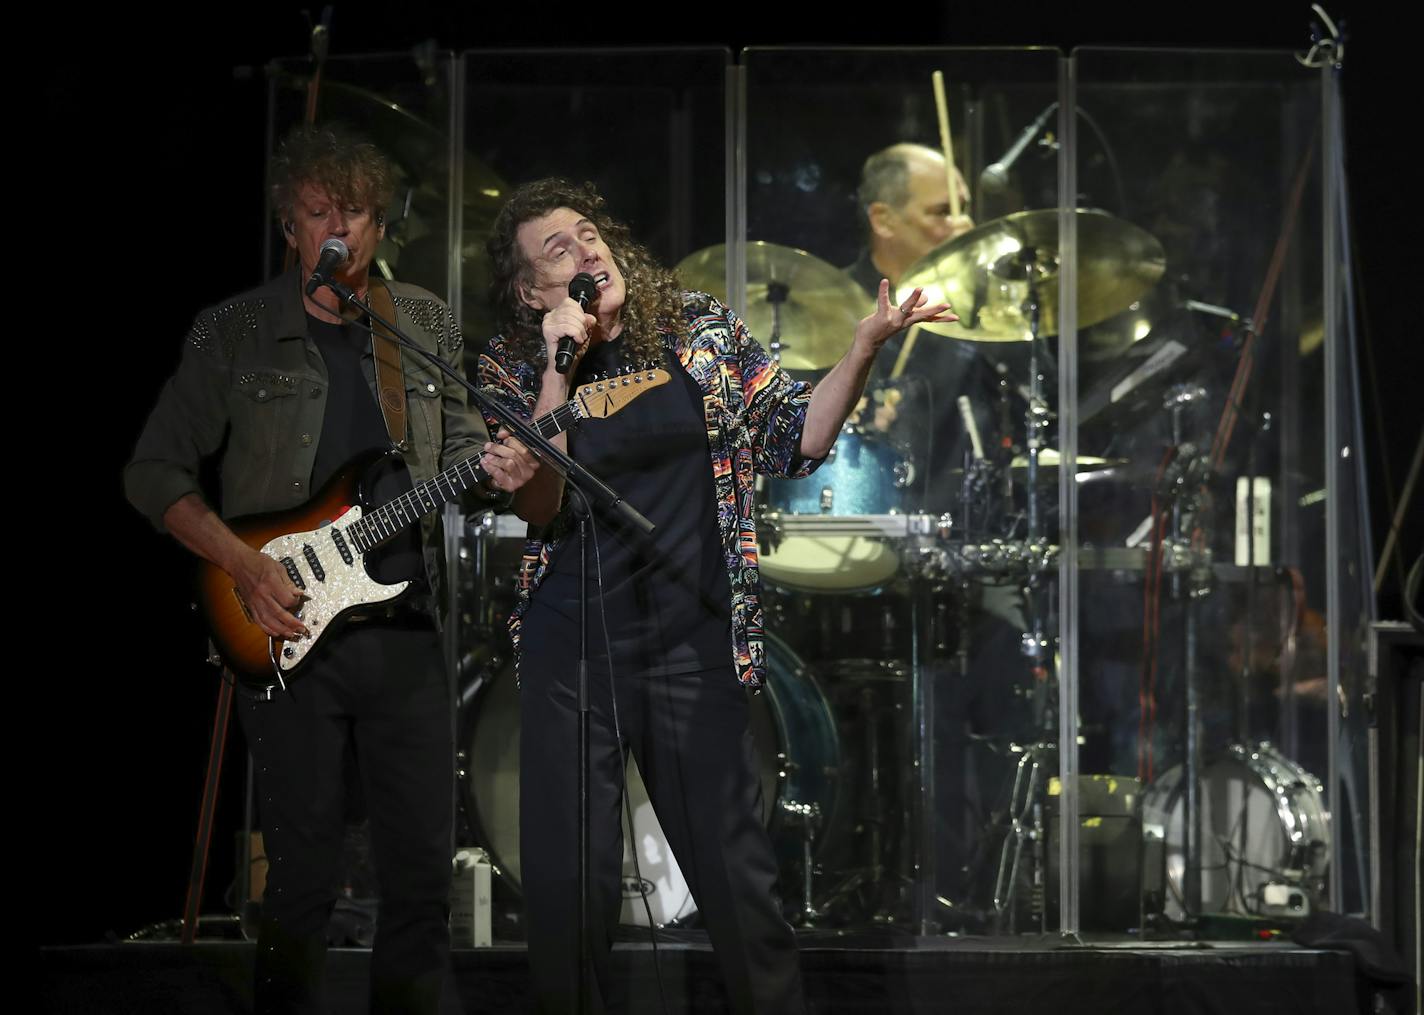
[{"x": 323, "y": 544}]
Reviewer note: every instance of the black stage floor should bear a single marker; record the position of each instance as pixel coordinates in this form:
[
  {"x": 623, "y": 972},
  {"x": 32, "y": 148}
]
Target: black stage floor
[{"x": 1014, "y": 976}]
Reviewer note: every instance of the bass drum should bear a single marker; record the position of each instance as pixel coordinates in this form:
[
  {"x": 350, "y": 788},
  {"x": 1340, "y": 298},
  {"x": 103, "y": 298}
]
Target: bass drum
[
  {"x": 863, "y": 475},
  {"x": 798, "y": 753},
  {"x": 1263, "y": 820}
]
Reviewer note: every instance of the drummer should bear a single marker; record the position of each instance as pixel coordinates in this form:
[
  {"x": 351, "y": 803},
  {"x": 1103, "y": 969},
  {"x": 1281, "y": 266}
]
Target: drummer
[
  {"x": 904, "y": 199},
  {"x": 905, "y": 212}
]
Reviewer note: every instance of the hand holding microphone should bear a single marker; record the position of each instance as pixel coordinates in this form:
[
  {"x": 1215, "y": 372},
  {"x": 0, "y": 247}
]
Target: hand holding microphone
[{"x": 582, "y": 290}]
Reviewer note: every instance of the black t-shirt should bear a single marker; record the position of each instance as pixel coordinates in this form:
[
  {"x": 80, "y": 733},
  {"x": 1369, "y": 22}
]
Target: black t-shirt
[
  {"x": 352, "y": 424},
  {"x": 668, "y": 611}
]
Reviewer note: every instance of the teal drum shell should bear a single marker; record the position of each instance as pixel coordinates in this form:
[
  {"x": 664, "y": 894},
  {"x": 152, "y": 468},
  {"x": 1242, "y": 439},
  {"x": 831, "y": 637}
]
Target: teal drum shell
[{"x": 864, "y": 474}]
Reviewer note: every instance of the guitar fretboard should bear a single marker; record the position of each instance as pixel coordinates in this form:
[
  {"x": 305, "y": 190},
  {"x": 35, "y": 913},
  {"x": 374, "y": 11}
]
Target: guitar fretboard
[{"x": 396, "y": 515}]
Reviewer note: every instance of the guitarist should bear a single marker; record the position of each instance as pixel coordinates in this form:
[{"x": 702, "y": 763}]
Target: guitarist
[
  {"x": 291, "y": 391},
  {"x": 684, "y": 621}
]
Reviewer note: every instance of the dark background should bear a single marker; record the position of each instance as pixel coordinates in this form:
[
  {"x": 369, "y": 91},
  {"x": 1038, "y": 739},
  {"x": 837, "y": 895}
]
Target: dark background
[{"x": 149, "y": 154}]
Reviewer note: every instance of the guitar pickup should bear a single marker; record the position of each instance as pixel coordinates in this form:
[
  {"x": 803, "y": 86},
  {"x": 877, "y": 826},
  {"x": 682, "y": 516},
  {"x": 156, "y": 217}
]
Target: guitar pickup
[
  {"x": 292, "y": 572},
  {"x": 341, "y": 547},
  {"x": 313, "y": 562}
]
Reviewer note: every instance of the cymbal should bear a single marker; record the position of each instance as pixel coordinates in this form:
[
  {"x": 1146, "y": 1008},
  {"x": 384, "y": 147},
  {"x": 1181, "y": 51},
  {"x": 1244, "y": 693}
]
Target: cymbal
[
  {"x": 419, "y": 149},
  {"x": 982, "y": 273},
  {"x": 1049, "y": 462},
  {"x": 1048, "y": 457},
  {"x": 819, "y": 311}
]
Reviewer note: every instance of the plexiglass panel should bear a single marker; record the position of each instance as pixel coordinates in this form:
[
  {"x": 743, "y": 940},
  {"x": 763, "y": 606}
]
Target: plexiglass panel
[
  {"x": 1201, "y": 486},
  {"x": 896, "y": 574},
  {"x": 402, "y": 103},
  {"x": 647, "y": 127}
]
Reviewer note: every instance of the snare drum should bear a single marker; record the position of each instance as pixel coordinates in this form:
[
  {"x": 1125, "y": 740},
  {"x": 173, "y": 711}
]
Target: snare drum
[
  {"x": 864, "y": 474},
  {"x": 798, "y": 751},
  {"x": 1263, "y": 820}
]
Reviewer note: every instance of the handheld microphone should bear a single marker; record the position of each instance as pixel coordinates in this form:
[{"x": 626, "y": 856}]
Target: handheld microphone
[
  {"x": 582, "y": 288},
  {"x": 333, "y": 253}
]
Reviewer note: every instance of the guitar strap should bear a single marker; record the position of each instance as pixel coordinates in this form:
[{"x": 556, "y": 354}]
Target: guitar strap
[{"x": 390, "y": 379}]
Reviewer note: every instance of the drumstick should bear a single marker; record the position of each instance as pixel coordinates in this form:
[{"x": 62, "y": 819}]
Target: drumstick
[
  {"x": 945, "y": 142},
  {"x": 942, "y": 107},
  {"x": 904, "y": 356}
]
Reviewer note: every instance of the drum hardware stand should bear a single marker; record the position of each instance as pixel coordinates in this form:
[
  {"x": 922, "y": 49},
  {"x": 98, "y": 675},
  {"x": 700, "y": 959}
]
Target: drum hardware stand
[
  {"x": 776, "y": 294},
  {"x": 1005, "y": 452},
  {"x": 875, "y": 873},
  {"x": 925, "y": 901},
  {"x": 1184, "y": 591},
  {"x": 1025, "y": 817},
  {"x": 1026, "y": 798},
  {"x": 921, "y": 534},
  {"x": 888, "y": 627},
  {"x": 875, "y": 820},
  {"x": 806, "y": 817},
  {"x": 1261, "y": 423}
]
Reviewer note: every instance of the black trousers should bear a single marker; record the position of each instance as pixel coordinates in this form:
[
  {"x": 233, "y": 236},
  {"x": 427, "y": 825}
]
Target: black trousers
[
  {"x": 381, "y": 689},
  {"x": 689, "y": 734}
]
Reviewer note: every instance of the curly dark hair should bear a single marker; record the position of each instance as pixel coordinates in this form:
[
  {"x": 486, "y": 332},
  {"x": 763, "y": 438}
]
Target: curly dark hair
[
  {"x": 348, "y": 167},
  {"x": 652, "y": 308}
]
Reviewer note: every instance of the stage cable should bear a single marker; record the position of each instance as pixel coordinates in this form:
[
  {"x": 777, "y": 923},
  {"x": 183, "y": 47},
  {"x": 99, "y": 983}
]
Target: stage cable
[
  {"x": 1261, "y": 316},
  {"x": 623, "y": 762}
]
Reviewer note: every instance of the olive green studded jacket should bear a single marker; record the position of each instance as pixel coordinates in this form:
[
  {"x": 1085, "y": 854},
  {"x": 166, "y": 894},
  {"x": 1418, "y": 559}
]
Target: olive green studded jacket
[{"x": 249, "y": 375}]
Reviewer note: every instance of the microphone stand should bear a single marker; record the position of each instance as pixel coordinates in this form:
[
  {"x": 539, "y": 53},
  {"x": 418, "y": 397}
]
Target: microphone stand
[
  {"x": 604, "y": 496},
  {"x": 586, "y": 485}
]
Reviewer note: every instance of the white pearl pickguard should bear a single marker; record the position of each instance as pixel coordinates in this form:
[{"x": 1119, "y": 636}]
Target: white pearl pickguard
[{"x": 343, "y": 586}]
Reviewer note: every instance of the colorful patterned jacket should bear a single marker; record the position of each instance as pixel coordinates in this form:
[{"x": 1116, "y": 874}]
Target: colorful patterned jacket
[{"x": 754, "y": 413}]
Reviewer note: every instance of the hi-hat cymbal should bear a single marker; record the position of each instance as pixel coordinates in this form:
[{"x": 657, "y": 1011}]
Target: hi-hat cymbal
[
  {"x": 1049, "y": 463},
  {"x": 1048, "y": 457},
  {"x": 820, "y": 304},
  {"x": 983, "y": 273}
]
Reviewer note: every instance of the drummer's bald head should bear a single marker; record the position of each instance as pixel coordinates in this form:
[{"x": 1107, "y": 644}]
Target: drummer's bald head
[
  {"x": 351, "y": 170},
  {"x": 885, "y": 176}
]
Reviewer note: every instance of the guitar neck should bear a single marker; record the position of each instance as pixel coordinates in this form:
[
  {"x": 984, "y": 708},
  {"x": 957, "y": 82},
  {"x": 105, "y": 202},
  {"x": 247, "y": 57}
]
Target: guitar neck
[{"x": 398, "y": 514}]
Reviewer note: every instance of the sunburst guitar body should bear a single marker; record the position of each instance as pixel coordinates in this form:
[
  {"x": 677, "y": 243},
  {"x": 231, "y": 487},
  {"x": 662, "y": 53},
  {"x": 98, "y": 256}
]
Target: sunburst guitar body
[{"x": 323, "y": 544}]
